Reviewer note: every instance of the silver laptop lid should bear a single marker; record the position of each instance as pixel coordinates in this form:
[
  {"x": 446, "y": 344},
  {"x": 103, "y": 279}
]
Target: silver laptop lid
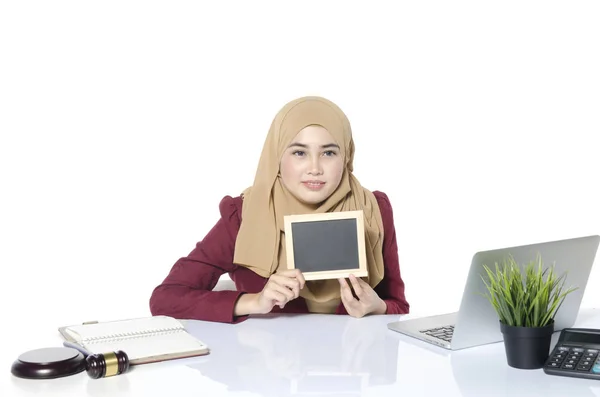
[{"x": 477, "y": 322}]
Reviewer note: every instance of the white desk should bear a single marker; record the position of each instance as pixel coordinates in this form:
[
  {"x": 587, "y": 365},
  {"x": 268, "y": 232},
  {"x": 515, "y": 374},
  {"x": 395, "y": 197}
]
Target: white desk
[{"x": 319, "y": 355}]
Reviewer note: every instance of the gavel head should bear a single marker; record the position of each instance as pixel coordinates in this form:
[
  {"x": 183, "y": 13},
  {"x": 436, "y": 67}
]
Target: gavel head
[{"x": 106, "y": 364}]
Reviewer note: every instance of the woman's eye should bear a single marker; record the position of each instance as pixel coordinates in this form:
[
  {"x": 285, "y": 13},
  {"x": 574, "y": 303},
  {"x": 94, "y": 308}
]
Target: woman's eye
[
  {"x": 298, "y": 153},
  {"x": 329, "y": 153}
]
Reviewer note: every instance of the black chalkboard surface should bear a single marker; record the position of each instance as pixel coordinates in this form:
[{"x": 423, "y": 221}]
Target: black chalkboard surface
[{"x": 327, "y": 245}]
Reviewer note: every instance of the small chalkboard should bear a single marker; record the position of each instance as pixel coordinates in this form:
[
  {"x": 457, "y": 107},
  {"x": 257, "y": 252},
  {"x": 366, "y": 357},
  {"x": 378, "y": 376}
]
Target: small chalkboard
[{"x": 326, "y": 245}]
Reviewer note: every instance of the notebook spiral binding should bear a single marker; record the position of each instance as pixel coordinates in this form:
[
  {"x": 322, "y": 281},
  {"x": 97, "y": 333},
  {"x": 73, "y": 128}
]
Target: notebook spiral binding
[{"x": 132, "y": 335}]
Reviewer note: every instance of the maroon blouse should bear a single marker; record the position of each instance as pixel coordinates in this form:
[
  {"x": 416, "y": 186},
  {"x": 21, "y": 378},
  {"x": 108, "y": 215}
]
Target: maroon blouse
[{"x": 186, "y": 293}]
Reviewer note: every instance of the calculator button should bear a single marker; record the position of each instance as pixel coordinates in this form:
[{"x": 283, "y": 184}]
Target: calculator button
[
  {"x": 584, "y": 368},
  {"x": 595, "y": 351},
  {"x": 574, "y": 353},
  {"x": 556, "y": 360},
  {"x": 577, "y": 350},
  {"x": 586, "y": 362},
  {"x": 571, "y": 362},
  {"x": 563, "y": 349},
  {"x": 570, "y": 366},
  {"x": 573, "y": 357},
  {"x": 590, "y": 355},
  {"x": 553, "y": 365},
  {"x": 596, "y": 369}
]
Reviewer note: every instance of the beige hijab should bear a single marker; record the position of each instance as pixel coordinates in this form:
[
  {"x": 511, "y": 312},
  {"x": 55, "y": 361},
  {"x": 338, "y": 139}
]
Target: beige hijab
[{"x": 260, "y": 244}]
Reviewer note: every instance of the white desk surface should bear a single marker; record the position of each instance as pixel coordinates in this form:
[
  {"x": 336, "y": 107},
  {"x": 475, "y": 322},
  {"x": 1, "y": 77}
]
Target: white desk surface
[{"x": 318, "y": 355}]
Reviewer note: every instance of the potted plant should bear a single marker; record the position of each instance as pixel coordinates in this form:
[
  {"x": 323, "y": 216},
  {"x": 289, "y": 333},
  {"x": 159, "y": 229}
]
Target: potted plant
[{"x": 526, "y": 300}]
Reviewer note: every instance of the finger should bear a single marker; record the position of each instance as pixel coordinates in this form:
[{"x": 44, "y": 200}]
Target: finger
[
  {"x": 345, "y": 291},
  {"x": 290, "y": 283},
  {"x": 347, "y": 298},
  {"x": 281, "y": 304},
  {"x": 276, "y": 297},
  {"x": 343, "y": 295},
  {"x": 358, "y": 289},
  {"x": 295, "y": 274},
  {"x": 300, "y": 278},
  {"x": 287, "y": 281},
  {"x": 285, "y": 291}
]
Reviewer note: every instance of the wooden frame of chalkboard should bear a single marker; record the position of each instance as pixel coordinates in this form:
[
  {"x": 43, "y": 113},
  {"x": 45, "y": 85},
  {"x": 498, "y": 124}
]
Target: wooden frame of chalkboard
[{"x": 326, "y": 245}]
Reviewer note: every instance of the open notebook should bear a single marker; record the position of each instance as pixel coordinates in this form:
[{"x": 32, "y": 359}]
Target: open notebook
[{"x": 145, "y": 340}]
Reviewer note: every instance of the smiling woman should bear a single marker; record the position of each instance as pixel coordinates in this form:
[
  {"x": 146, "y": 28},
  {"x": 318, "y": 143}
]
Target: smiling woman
[
  {"x": 312, "y": 167},
  {"x": 306, "y": 167}
]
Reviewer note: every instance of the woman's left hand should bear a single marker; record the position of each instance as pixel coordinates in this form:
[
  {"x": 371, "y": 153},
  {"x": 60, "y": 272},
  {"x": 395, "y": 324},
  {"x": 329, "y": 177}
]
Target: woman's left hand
[{"x": 368, "y": 301}]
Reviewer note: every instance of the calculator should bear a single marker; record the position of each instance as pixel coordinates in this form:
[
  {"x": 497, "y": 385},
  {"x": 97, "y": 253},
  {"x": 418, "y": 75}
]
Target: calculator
[{"x": 575, "y": 354}]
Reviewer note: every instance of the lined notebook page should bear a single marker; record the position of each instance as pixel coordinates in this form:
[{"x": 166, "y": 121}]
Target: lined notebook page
[
  {"x": 143, "y": 339},
  {"x": 123, "y": 328},
  {"x": 173, "y": 343}
]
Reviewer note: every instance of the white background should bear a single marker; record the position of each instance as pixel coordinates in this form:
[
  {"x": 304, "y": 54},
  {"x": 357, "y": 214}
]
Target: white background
[{"x": 123, "y": 125}]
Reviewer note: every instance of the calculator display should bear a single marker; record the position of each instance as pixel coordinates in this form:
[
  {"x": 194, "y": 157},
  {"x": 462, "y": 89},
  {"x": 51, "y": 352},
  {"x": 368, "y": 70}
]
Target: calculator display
[{"x": 581, "y": 337}]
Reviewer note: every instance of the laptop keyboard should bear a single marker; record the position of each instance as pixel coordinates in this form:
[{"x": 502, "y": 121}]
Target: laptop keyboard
[{"x": 443, "y": 333}]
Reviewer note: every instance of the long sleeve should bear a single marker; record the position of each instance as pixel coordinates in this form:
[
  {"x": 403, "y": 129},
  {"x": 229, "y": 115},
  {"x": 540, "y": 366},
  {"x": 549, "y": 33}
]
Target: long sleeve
[
  {"x": 186, "y": 292},
  {"x": 391, "y": 287}
]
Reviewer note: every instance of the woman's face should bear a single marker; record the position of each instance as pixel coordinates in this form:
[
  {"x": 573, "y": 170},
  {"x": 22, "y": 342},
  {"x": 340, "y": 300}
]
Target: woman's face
[{"x": 312, "y": 165}]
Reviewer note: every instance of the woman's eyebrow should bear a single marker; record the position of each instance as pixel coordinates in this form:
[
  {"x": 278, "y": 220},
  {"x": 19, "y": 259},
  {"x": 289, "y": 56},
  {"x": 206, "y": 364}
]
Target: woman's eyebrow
[
  {"x": 298, "y": 144},
  {"x": 326, "y": 146}
]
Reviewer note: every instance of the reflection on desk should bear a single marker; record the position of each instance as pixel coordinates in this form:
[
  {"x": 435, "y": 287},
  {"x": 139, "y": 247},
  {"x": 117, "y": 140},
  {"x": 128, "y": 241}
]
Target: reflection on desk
[
  {"x": 72, "y": 385},
  {"x": 320, "y": 355},
  {"x": 300, "y": 354},
  {"x": 477, "y": 377}
]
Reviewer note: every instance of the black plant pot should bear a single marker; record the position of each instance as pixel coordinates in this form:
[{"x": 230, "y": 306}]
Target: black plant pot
[{"x": 527, "y": 347}]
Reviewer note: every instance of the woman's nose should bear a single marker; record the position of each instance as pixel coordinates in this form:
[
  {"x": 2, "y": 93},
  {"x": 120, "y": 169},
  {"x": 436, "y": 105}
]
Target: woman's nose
[{"x": 315, "y": 166}]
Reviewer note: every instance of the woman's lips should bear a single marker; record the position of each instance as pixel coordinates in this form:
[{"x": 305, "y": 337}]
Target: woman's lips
[{"x": 314, "y": 185}]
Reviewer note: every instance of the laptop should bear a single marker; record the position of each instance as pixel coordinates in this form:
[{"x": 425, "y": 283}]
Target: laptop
[{"x": 476, "y": 322}]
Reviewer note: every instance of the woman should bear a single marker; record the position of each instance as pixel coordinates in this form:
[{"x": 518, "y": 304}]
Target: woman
[{"x": 305, "y": 166}]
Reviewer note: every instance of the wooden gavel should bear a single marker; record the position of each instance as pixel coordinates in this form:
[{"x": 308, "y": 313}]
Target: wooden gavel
[{"x": 102, "y": 365}]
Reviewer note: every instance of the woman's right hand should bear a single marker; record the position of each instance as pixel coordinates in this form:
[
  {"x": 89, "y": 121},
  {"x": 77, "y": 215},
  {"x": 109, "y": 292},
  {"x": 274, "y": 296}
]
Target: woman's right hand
[{"x": 280, "y": 288}]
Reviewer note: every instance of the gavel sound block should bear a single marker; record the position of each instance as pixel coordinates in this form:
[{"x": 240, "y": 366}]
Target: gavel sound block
[{"x": 56, "y": 362}]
